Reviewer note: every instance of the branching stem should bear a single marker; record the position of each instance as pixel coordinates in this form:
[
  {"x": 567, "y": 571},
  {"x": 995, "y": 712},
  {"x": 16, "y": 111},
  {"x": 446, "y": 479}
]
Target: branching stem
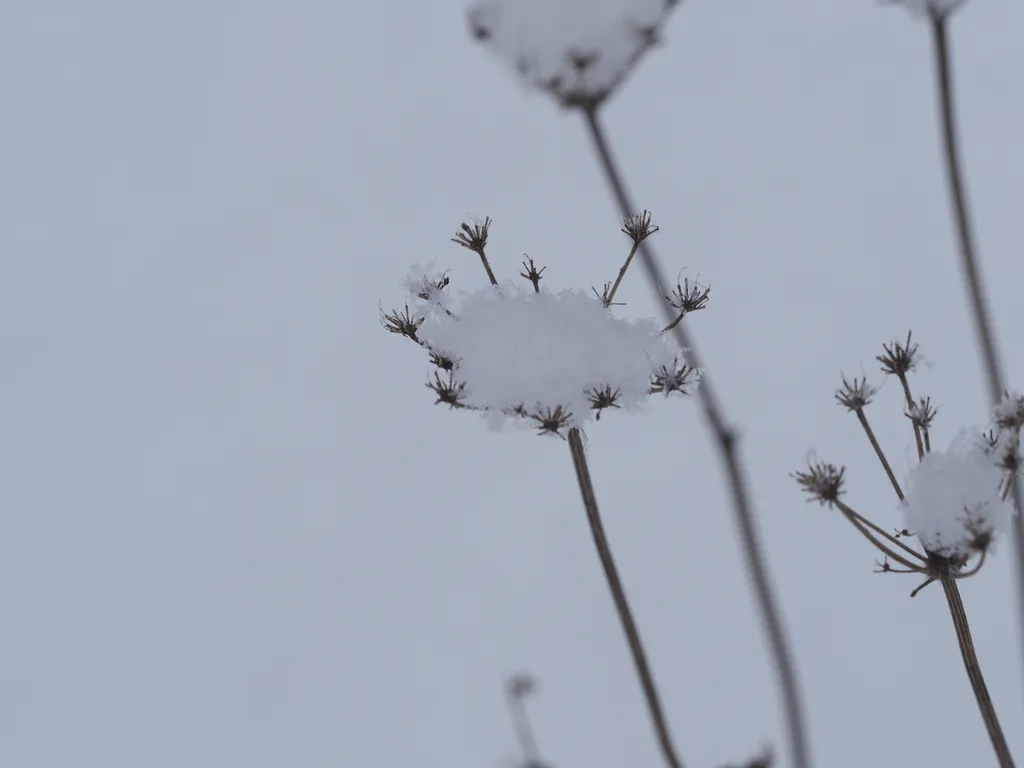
[{"x": 969, "y": 262}]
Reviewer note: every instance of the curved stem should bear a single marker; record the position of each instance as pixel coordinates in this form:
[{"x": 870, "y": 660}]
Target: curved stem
[
  {"x": 969, "y": 262},
  {"x": 970, "y": 658},
  {"x": 725, "y": 438},
  {"x": 636, "y": 647}
]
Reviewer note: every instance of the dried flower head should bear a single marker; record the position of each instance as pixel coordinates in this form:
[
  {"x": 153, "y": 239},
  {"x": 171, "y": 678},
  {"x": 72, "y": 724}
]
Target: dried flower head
[
  {"x": 448, "y": 390},
  {"x": 551, "y": 421},
  {"x": 922, "y": 413},
  {"x": 638, "y": 227},
  {"x": 531, "y": 273},
  {"x": 823, "y": 482},
  {"x": 473, "y": 237},
  {"x": 686, "y": 299},
  {"x": 441, "y": 361},
  {"x": 899, "y": 358},
  {"x": 578, "y": 51},
  {"x": 678, "y": 377},
  {"x": 855, "y": 395},
  {"x": 936, "y": 9},
  {"x": 521, "y": 685},
  {"x": 603, "y": 397},
  {"x": 401, "y": 322},
  {"x": 1009, "y": 413}
]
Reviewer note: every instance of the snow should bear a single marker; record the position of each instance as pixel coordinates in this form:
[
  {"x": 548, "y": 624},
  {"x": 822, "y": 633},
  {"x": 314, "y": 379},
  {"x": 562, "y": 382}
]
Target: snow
[
  {"x": 1010, "y": 410},
  {"x": 515, "y": 347},
  {"x": 953, "y": 495},
  {"x": 539, "y": 38}
]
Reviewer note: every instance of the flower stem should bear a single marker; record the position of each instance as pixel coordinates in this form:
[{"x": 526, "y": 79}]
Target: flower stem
[
  {"x": 969, "y": 262},
  {"x": 604, "y": 552},
  {"x": 863, "y": 419},
  {"x": 622, "y": 272},
  {"x": 963, "y": 636},
  {"x": 725, "y": 438}
]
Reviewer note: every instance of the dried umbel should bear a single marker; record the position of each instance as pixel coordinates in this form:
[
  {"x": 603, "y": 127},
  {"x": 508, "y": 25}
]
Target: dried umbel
[
  {"x": 579, "y": 51},
  {"x": 956, "y": 502},
  {"x": 549, "y": 359}
]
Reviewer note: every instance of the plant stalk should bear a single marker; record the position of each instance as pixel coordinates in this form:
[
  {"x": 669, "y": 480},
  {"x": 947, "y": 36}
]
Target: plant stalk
[
  {"x": 971, "y": 269},
  {"x": 629, "y": 627},
  {"x": 725, "y": 438},
  {"x": 963, "y": 637}
]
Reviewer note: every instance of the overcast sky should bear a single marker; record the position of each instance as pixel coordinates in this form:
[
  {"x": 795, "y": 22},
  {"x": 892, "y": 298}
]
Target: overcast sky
[{"x": 234, "y": 530}]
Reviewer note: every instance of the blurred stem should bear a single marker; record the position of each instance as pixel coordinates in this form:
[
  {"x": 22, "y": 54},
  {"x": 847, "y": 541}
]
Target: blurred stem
[
  {"x": 521, "y": 725},
  {"x": 643, "y": 669},
  {"x": 969, "y": 266},
  {"x": 726, "y": 441},
  {"x": 963, "y": 636}
]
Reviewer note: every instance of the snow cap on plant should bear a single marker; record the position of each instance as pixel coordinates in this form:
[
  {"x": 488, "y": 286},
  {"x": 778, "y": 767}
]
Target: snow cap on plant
[
  {"x": 519, "y": 350},
  {"x": 954, "y": 501},
  {"x": 554, "y": 359},
  {"x": 578, "y": 51}
]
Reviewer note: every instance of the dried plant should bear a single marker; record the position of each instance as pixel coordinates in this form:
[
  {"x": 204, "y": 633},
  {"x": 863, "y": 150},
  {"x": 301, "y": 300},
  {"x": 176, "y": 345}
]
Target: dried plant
[
  {"x": 580, "y": 55},
  {"x": 455, "y": 344},
  {"x": 938, "y": 14},
  {"x": 955, "y": 502},
  {"x": 580, "y": 58}
]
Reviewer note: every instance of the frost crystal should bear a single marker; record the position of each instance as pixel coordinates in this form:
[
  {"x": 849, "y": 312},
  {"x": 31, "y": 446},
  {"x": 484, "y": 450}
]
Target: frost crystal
[
  {"x": 953, "y": 498},
  {"x": 516, "y": 349},
  {"x": 579, "y": 50}
]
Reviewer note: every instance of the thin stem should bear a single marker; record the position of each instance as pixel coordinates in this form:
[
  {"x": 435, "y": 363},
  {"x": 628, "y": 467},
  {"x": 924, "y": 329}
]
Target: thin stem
[
  {"x": 863, "y": 419},
  {"x": 970, "y": 658},
  {"x": 850, "y": 512},
  {"x": 487, "y": 266},
  {"x": 674, "y": 323},
  {"x": 910, "y": 404},
  {"x": 643, "y": 669},
  {"x": 521, "y": 726},
  {"x": 969, "y": 263},
  {"x": 622, "y": 273},
  {"x": 725, "y": 438},
  {"x": 862, "y": 529}
]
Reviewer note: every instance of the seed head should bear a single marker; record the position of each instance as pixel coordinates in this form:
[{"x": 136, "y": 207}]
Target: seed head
[
  {"x": 823, "y": 482},
  {"x": 638, "y": 227},
  {"x": 678, "y": 378},
  {"x": 474, "y": 238},
  {"x": 855, "y": 395},
  {"x": 899, "y": 358}
]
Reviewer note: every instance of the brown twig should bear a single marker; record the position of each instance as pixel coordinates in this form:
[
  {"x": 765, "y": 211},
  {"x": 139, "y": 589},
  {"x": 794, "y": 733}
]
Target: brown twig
[
  {"x": 969, "y": 261},
  {"x": 863, "y": 419},
  {"x": 622, "y": 273},
  {"x": 643, "y": 669},
  {"x": 725, "y": 438}
]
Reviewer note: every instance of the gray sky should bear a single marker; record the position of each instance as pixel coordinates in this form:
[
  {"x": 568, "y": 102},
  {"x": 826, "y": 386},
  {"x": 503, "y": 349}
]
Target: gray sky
[{"x": 235, "y": 531}]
